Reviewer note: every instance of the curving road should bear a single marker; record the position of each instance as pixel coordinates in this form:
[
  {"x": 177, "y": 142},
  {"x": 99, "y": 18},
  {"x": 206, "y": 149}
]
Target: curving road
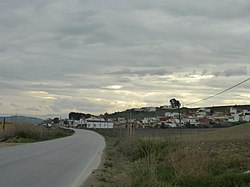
[{"x": 64, "y": 162}]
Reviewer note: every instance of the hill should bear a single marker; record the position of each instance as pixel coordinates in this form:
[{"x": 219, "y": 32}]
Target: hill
[{"x": 22, "y": 119}]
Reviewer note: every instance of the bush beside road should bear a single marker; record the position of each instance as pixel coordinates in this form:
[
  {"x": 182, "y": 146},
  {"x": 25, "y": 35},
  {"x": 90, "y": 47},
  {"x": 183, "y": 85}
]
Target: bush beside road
[{"x": 26, "y": 133}]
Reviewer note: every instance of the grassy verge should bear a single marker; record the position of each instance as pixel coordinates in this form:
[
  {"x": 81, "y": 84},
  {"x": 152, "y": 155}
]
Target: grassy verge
[
  {"x": 115, "y": 167},
  {"x": 23, "y": 133},
  {"x": 212, "y": 159}
]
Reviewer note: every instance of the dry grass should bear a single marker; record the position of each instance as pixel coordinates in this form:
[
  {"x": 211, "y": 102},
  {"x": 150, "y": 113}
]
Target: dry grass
[
  {"x": 214, "y": 158},
  {"x": 188, "y": 162},
  {"x": 22, "y": 133}
]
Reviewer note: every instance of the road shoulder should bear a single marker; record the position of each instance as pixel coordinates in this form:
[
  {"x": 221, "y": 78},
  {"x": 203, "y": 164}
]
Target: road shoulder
[{"x": 113, "y": 169}]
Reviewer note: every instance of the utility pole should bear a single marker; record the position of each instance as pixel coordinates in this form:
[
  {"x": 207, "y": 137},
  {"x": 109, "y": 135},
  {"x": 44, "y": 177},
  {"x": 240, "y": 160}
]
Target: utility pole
[
  {"x": 179, "y": 111},
  {"x": 129, "y": 124},
  {"x": 3, "y": 128}
]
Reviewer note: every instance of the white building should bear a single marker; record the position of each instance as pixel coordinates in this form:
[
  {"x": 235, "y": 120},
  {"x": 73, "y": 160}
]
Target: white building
[
  {"x": 246, "y": 115},
  {"x": 73, "y": 123},
  {"x": 172, "y": 114},
  {"x": 172, "y": 119},
  {"x": 165, "y": 107},
  {"x": 202, "y": 112},
  {"x": 138, "y": 109},
  {"x": 149, "y": 120},
  {"x": 190, "y": 120},
  {"x": 151, "y": 109},
  {"x": 96, "y": 123},
  {"x": 234, "y": 116},
  {"x": 171, "y": 124},
  {"x": 145, "y": 109}
]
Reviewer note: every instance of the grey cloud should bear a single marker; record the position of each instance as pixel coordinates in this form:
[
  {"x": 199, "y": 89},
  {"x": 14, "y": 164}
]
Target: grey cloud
[
  {"x": 222, "y": 82},
  {"x": 141, "y": 72},
  {"x": 81, "y": 28},
  {"x": 15, "y": 105},
  {"x": 33, "y": 109},
  {"x": 128, "y": 43},
  {"x": 194, "y": 72},
  {"x": 79, "y": 104},
  {"x": 213, "y": 9},
  {"x": 123, "y": 80},
  {"x": 237, "y": 71},
  {"x": 8, "y": 87},
  {"x": 204, "y": 72}
]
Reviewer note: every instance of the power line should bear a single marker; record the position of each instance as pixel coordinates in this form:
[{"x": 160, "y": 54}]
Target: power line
[{"x": 220, "y": 92}]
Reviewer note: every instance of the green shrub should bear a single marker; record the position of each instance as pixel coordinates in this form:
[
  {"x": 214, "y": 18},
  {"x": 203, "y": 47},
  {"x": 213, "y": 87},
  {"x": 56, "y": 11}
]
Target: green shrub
[
  {"x": 108, "y": 164},
  {"x": 165, "y": 173},
  {"x": 231, "y": 180},
  {"x": 141, "y": 148},
  {"x": 223, "y": 180},
  {"x": 219, "y": 166},
  {"x": 144, "y": 174}
]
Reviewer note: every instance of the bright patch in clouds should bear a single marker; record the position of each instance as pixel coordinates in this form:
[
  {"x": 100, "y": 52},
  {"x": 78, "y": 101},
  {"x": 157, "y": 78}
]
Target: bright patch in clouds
[
  {"x": 114, "y": 87},
  {"x": 42, "y": 95},
  {"x": 190, "y": 78}
]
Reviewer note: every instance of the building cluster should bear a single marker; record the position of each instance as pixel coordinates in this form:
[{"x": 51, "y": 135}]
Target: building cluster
[
  {"x": 203, "y": 117},
  {"x": 145, "y": 109}
]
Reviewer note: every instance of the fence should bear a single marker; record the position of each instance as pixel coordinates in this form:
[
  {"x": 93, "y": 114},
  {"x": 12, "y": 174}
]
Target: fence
[{"x": 148, "y": 132}]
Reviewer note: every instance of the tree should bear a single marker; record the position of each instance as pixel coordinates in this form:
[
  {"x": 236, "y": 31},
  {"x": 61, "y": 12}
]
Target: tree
[
  {"x": 78, "y": 116},
  {"x": 176, "y": 104},
  {"x": 56, "y": 120}
]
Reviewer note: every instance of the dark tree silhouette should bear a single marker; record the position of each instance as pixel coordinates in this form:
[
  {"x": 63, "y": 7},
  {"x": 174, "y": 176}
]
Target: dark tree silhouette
[{"x": 78, "y": 116}]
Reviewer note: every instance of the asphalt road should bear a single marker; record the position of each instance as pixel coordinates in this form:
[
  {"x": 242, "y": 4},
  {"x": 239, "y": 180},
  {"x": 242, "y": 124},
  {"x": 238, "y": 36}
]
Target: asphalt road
[{"x": 64, "y": 162}]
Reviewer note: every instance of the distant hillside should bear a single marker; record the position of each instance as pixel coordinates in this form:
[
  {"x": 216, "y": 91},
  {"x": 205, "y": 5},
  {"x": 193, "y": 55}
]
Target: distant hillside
[
  {"x": 22, "y": 119},
  {"x": 130, "y": 113}
]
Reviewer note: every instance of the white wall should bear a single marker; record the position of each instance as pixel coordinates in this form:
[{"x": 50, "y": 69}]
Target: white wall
[{"x": 100, "y": 124}]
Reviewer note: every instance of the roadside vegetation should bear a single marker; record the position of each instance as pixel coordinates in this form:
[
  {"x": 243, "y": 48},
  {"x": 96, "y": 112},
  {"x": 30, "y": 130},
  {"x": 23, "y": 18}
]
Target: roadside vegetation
[
  {"x": 219, "y": 158},
  {"x": 26, "y": 133}
]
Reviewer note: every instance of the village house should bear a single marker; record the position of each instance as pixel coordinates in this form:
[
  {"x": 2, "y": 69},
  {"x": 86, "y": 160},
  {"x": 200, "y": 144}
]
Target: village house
[
  {"x": 203, "y": 112},
  {"x": 234, "y": 116},
  {"x": 190, "y": 121},
  {"x": 167, "y": 121},
  {"x": 98, "y": 123},
  {"x": 245, "y": 115},
  {"x": 165, "y": 107},
  {"x": 151, "y": 109},
  {"x": 149, "y": 122}
]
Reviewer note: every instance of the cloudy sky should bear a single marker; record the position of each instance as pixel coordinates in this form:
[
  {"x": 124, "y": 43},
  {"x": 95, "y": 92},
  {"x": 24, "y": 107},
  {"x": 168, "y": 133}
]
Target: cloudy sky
[{"x": 98, "y": 56}]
